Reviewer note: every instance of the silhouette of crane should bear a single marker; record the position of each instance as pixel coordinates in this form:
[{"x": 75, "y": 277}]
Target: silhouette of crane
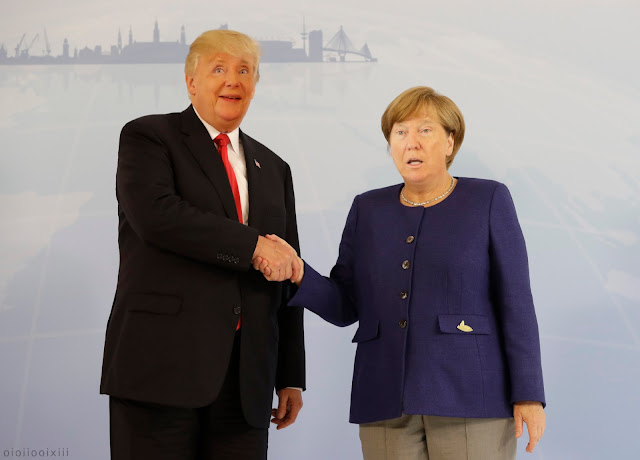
[
  {"x": 20, "y": 44},
  {"x": 25, "y": 51}
]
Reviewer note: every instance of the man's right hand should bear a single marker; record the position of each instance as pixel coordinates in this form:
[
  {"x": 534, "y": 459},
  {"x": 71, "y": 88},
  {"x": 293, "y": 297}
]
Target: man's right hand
[{"x": 277, "y": 261}]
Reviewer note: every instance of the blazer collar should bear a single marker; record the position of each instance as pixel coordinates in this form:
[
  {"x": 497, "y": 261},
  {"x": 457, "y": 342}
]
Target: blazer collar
[
  {"x": 255, "y": 177},
  {"x": 199, "y": 143}
]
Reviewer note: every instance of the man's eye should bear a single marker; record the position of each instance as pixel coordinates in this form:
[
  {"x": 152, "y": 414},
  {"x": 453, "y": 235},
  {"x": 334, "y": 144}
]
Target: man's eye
[
  {"x": 426, "y": 130},
  {"x": 218, "y": 70},
  {"x": 244, "y": 71}
]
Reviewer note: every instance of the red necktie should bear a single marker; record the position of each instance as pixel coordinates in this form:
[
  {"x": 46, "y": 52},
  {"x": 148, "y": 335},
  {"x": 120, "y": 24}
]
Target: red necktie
[{"x": 221, "y": 141}]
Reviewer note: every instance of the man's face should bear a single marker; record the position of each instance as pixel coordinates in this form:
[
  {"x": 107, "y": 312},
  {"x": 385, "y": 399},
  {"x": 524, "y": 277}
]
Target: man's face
[
  {"x": 221, "y": 89},
  {"x": 420, "y": 147}
]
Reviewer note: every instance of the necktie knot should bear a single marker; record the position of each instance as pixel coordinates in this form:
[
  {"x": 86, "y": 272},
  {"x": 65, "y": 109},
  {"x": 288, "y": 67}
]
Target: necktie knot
[{"x": 221, "y": 140}]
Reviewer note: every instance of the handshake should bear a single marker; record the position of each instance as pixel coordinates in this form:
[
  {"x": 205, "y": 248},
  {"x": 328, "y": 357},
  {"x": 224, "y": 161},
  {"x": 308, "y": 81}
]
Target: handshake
[{"x": 277, "y": 260}]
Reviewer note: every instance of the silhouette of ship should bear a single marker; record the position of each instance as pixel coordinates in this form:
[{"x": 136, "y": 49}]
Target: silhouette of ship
[{"x": 339, "y": 48}]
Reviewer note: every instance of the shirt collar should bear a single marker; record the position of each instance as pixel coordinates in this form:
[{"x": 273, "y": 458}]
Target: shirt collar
[{"x": 234, "y": 136}]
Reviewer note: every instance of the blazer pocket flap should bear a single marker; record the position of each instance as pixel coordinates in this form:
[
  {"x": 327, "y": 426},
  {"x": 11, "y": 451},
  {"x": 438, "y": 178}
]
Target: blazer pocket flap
[
  {"x": 367, "y": 330},
  {"x": 160, "y": 304},
  {"x": 464, "y": 324}
]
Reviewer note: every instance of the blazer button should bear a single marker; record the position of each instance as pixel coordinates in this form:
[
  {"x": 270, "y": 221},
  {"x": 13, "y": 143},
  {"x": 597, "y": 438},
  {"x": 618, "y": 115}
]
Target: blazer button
[
  {"x": 219, "y": 256},
  {"x": 404, "y": 294},
  {"x": 237, "y": 310},
  {"x": 410, "y": 239},
  {"x": 406, "y": 264},
  {"x": 402, "y": 323}
]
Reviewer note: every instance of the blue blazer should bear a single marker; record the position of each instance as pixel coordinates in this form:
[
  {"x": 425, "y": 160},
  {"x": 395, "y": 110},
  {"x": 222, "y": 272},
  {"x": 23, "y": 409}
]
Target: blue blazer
[{"x": 411, "y": 277}]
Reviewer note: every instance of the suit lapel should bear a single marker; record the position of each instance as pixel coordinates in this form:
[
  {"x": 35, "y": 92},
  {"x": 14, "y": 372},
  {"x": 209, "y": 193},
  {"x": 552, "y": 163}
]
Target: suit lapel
[
  {"x": 201, "y": 146},
  {"x": 255, "y": 178}
]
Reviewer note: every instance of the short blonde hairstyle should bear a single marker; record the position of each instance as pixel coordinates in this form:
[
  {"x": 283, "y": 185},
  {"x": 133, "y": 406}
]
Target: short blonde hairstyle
[
  {"x": 222, "y": 41},
  {"x": 418, "y": 100}
]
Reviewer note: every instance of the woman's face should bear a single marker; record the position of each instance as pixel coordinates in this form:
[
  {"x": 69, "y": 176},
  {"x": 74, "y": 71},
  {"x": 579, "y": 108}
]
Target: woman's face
[{"x": 420, "y": 147}]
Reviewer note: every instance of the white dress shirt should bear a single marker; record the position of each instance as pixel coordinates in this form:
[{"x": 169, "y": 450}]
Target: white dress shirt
[{"x": 238, "y": 164}]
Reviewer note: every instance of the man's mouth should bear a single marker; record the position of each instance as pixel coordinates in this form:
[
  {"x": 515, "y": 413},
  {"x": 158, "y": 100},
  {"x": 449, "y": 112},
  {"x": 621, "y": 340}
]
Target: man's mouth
[{"x": 231, "y": 98}]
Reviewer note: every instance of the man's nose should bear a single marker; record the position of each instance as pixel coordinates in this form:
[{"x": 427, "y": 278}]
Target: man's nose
[{"x": 232, "y": 79}]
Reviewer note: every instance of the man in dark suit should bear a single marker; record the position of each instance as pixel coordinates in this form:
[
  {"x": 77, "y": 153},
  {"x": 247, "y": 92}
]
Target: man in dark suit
[{"x": 197, "y": 340}]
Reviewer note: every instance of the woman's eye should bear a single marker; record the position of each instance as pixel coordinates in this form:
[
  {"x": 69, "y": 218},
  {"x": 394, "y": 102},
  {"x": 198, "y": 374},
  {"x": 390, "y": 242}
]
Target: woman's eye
[
  {"x": 244, "y": 71},
  {"x": 400, "y": 132}
]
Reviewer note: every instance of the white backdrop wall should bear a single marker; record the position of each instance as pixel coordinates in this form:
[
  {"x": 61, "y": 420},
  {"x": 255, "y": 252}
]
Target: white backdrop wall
[{"x": 551, "y": 96}]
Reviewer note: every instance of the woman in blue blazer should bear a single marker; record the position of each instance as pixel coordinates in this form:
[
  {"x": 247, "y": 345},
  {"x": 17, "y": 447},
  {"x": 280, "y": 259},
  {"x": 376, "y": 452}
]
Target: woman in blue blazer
[{"x": 435, "y": 270}]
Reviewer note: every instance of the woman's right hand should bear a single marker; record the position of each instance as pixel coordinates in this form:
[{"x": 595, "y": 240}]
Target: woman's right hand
[
  {"x": 297, "y": 263},
  {"x": 298, "y": 280}
]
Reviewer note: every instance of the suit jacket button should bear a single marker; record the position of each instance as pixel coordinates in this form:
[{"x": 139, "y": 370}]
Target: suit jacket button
[
  {"x": 237, "y": 310},
  {"x": 236, "y": 260},
  {"x": 406, "y": 264},
  {"x": 402, "y": 323},
  {"x": 219, "y": 256},
  {"x": 404, "y": 294},
  {"x": 410, "y": 239}
]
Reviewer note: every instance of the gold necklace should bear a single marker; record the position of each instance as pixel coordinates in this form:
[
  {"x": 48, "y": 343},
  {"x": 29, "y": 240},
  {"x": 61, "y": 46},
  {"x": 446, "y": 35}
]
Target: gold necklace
[{"x": 404, "y": 198}]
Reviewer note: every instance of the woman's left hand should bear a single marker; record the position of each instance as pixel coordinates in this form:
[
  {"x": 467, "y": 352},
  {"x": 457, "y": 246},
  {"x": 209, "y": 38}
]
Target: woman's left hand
[{"x": 531, "y": 413}]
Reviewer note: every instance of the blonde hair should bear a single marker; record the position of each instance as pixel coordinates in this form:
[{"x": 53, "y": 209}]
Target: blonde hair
[
  {"x": 222, "y": 41},
  {"x": 419, "y": 99}
]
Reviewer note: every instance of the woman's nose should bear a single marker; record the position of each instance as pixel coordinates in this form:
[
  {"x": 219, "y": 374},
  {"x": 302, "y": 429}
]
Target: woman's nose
[{"x": 413, "y": 140}]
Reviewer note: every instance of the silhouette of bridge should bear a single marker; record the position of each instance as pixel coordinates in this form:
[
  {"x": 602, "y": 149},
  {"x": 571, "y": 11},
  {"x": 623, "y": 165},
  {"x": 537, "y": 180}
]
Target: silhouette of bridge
[{"x": 341, "y": 44}]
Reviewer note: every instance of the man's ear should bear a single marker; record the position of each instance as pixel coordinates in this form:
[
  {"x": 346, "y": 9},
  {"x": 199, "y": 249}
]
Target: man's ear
[{"x": 191, "y": 87}]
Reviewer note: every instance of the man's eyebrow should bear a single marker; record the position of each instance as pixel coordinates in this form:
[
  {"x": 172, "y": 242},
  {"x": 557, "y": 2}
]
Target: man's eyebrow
[{"x": 221, "y": 60}]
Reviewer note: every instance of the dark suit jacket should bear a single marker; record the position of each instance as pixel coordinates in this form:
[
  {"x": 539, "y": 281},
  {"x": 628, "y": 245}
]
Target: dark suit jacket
[
  {"x": 410, "y": 276},
  {"x": 185, "y": 272}
]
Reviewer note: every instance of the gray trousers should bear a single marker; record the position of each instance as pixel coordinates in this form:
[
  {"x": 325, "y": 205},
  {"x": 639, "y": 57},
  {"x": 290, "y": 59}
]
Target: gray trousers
[{"x": 426, "y": 437}]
